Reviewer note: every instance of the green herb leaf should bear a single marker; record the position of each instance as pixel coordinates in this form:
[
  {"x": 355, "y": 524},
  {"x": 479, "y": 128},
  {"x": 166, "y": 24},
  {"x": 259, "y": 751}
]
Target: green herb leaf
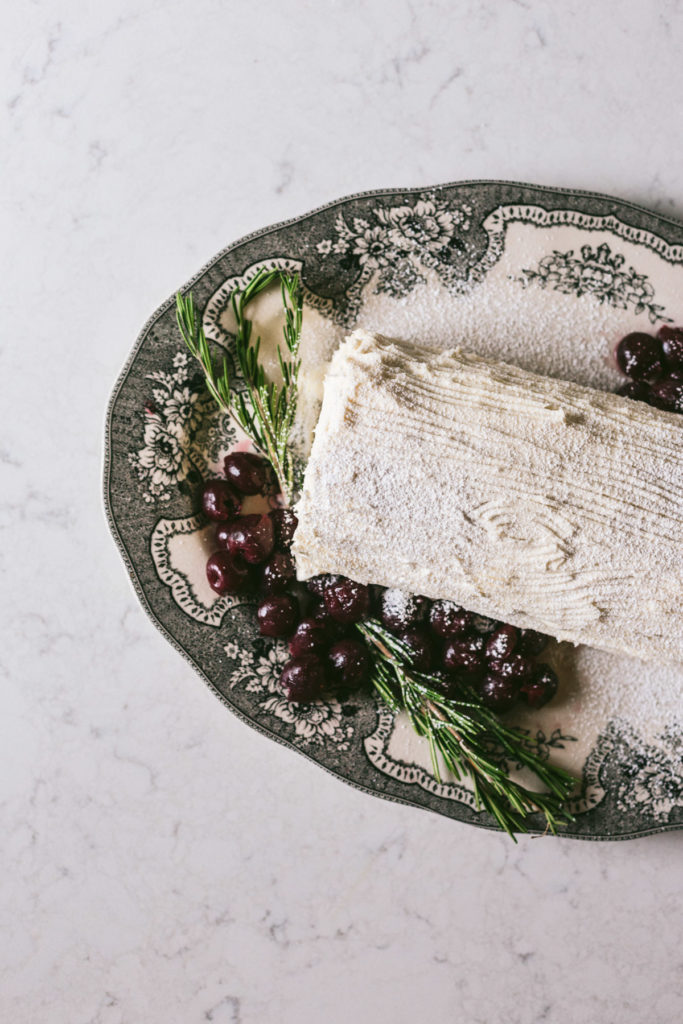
[
  {"x": 265, "y": 410},
  {"x": 470, "y": 739}
]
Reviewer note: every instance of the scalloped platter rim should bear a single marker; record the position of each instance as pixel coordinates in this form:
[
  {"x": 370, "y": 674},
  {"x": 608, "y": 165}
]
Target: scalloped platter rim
[{"x": 507, "y": 262}]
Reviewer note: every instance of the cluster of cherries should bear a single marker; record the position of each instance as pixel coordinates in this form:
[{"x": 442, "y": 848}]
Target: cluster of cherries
[
  {"x": 655, "y": 365},
  {"x": 317, "y": 618},
  {"x": 463, "y": 649}
]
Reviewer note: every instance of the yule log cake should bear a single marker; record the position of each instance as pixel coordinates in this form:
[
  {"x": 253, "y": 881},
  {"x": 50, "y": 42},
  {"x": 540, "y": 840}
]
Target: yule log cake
[{"x": 536, "y": 501}]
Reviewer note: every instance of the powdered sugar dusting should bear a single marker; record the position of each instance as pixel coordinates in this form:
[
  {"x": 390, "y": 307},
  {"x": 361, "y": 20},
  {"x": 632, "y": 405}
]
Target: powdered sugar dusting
[
  {"x": 545, "y": 332},
  {"x": 397, "y": 603},
  {"x": 603, "y": 686}
]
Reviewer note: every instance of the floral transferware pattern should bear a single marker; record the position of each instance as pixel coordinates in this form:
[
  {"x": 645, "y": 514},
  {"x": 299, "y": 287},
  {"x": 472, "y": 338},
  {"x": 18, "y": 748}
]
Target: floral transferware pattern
[
  {"x": 314, "y": 724},
  {"x": 165, "y": 434},
  {"x": 542, "y": 744},
  {"x": 647, "y": 778},
  {"x": 600, "y": 273},
  {"x": 397, "y": 244},
  {"x": 183, "y": 433}
]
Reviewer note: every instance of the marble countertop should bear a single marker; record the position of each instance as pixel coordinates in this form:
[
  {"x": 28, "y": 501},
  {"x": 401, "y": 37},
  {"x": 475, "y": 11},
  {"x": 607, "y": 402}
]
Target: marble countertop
[{"x": 161, "y": 861}]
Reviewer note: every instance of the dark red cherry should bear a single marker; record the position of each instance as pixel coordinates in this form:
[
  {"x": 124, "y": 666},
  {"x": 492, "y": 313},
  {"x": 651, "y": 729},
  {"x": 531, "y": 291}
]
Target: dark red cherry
[
  {"x": 284, "y": 525},
  {"x": 309, "y": 637},
  {"x": 502, "y": 642},
  {"x": 459, "y": 657},
  {"x": 449, "y": 620},
  {"x": 418, "y": 640},
  {"x": 345, "y": 600},
  {"x": 251, "y": 537},
  {"x": 399, "y": 611},
  {"x": 667, "y": 394},
  {"x": 278, "y": 573},
  {"x": 222, "y": 535},
  {"x": 277, "y": 615},
  {"x": 531, "y": 643},
  {"x": 516, "y": 667},
  {"x": 498, "y": 694},
  {"x": 317, "y": 584},
  {"x": 639, "y": 356},
  {"x": 246, "y": 472},
  {"x": 541, "y": 687},
  {"x": 476, "y": 643},
  {"x": 349, "y": 663},
  {"x": 226, "y": 575},
  {"x": 318, "y": 611},
  {"x": 303, "y": 679},
  {"x": 634, "y": 389},
  {"x": 672, "y": 346},
  {"x": 219, "y": 501}
]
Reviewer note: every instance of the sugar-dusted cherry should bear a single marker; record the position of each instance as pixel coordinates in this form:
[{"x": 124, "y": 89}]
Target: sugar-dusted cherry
[
  {"x": 540, "y": 687},
  {"x": 251, "y": 537},
  {"x": 449, "y": 620},
  {"x": 461, "y": 658},
  {"x": 317, "y": 584},
  {"x": 531, "y": 643},
  {"x": 346, "y": 600},
  {"x": 639, "y": 356},
  {"x": 502, "y": 642},
  {"x": 667, "y": 394},
  {"x": 284, "y": 525},
  {"x": 219, "y": 501},
  {"x": 278, "y": 573},
  {"x": 400, "y": 611},
  {"x": 515, "y": 666},
  {"x": 497, "y": 693},
  {"x": 672, "y": 346},
  {"x": 420, "y": 643}
]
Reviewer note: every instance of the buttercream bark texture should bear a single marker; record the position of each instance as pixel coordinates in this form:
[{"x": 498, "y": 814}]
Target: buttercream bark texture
[{"x": 540, "y": 502}]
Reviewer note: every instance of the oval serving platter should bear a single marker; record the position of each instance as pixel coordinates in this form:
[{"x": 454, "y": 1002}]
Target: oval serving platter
[{"x": 548, "y": 279}]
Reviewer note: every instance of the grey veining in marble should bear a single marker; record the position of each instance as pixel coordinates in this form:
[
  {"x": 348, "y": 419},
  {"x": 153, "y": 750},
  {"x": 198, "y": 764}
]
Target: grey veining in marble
[{"x": 161, "y": 862}]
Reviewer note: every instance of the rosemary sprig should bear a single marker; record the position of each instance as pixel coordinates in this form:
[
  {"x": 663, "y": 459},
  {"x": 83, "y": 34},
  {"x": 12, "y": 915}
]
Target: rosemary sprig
[
  {"x": 263, "y": 409},
  {"x": 468, "y": 737}
]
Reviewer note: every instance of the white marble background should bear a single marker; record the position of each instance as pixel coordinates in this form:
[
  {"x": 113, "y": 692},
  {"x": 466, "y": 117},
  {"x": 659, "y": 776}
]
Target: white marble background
[{"x": 160, "y": 861}]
